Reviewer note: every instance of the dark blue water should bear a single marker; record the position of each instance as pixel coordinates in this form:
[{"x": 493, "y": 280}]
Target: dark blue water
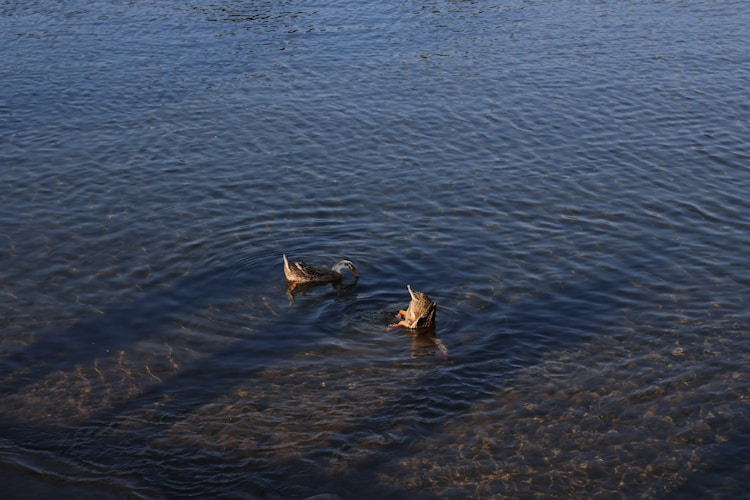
[{"x": 568, "y": 181}]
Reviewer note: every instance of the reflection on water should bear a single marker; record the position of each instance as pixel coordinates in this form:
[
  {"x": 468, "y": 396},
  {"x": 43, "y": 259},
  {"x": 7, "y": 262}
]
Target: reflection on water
[{"x": 568, "y": 184}]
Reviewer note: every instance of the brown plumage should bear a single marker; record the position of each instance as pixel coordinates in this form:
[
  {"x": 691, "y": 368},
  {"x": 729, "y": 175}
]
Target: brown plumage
[
  {"x": 420, "y": 313},
  {"x": 299, "y": 272}
]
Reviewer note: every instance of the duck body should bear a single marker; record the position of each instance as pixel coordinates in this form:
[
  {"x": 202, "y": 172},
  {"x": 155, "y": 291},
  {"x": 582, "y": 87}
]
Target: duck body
[
  {"x": 420, "y": 313},
  {"x": 299, "y": 272}
]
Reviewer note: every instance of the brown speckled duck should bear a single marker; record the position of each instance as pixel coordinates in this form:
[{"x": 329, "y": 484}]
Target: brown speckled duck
[
  {"x": 420, "y": 313},
  {"x": 299, "y": 272}
]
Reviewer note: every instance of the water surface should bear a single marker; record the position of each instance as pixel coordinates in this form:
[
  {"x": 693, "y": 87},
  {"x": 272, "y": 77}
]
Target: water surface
[{"x": 567, "y": 181}]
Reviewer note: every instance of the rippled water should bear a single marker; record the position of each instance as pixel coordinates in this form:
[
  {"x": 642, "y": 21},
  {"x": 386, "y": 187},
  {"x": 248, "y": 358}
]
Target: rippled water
[{"x": 567, "y": 180}]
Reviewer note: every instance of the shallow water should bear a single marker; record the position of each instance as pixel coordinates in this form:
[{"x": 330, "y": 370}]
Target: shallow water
[{"x": 567, "y": 181}]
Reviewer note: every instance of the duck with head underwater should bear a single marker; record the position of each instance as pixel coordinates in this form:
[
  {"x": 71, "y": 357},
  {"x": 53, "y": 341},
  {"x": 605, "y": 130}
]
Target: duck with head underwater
[
  {"x": 420, "y": 313},
  {"x": 299, "y": 272}
]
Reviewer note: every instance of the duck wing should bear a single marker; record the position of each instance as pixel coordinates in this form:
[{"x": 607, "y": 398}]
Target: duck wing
[
  {"x": 306, "y": 273},
  {"x": 300, "y": 271},
  {"x": 305, "y": 268},
  {"x": 427, "y": 318}
]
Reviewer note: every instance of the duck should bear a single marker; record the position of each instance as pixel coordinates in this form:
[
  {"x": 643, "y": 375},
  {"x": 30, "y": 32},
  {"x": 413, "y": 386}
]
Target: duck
[
  {"x": 420, "y": 313},
  {"x": 299, "y": 272}
]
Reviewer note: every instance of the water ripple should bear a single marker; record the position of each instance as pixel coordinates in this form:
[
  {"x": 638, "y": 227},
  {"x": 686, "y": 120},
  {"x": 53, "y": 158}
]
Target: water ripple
[{"x": 568, "y": 183}]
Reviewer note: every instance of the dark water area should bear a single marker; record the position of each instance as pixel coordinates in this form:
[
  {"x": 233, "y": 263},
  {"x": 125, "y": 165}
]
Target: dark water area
[{"x": 568, "y": 181}]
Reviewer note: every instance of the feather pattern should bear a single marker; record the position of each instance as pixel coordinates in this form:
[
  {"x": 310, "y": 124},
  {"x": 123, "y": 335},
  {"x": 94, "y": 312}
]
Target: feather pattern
[
  {"x": 299, "y": 272},
  {"x": 420, "y": 313}
]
